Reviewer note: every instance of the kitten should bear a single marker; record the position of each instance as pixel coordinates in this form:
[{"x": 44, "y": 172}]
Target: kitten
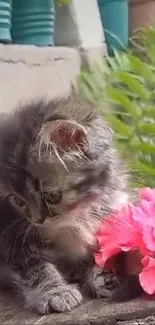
[{"x": 60, "y": 176}]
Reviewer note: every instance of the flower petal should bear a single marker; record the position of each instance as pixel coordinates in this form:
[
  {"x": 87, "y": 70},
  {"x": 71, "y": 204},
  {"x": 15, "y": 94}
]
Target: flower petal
[
  {"x": 118, "y": 233},
  {"x": 148, "y": 238},
  {"x": 105, "y": 254},
  {"x": 147, "y": 193},
  {"x": 147, "y": 276}
]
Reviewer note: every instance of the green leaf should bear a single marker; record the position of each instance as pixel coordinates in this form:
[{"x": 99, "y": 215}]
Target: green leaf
[
  {"x": 146, "y": 128},
  {"x": 118, "y": 57},
  {"x": 149, "y": 111},
  {"x": 89, "y": 83},
  {"x": 134, "y": 85},
  {"x": 122, "y": 60},
  {"x": 101, "y": 68},
  {"x": 63, "y": 2},
  {"x": 142, "y": 68},
  {"x": 143, "y": 147},
  {"x": 118, "y": 97},
  {"x": 119, "y": 126},
  {"x": 150, "y": 54},
  {"x": 113, "y": 64},
  {"x": 141, "y": 167},
  {"x": 127, "y": 82}
]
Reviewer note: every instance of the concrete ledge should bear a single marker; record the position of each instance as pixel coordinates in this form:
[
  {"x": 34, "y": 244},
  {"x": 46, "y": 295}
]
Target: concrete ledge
[
  {"x": 94, "y": 312},
  {"x": 29, "y": 72}
]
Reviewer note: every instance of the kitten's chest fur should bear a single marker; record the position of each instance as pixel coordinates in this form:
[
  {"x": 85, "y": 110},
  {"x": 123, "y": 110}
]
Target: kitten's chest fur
[{"x": 73, "y": 236}]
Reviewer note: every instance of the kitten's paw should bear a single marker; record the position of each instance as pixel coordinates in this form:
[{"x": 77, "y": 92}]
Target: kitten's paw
[
  {"x": 61, "y": 299},
  {"x": 103, "y": 283},
  {"x": 66, "y": 300}
]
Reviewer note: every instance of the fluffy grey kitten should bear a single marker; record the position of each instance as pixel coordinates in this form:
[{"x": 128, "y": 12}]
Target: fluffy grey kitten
[{"x": 60, "y": 175}]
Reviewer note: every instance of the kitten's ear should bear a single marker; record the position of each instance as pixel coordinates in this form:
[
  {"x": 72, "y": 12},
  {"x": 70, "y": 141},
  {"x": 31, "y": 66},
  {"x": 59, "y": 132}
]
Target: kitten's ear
[{"x": 65, "y": 134}]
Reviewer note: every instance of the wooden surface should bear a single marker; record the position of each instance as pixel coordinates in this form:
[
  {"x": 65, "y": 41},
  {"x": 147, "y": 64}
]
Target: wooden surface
[{"x": 90, "y": 313}]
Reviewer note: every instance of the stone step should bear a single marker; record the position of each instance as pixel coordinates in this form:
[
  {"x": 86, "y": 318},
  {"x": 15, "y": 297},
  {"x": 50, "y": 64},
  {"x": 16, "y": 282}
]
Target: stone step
[
  {"x": 29, "y": 73},
  {"x": 93, "y": 312}
]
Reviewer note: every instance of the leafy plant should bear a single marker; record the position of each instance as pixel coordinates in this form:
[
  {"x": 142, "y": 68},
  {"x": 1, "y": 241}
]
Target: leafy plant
[
  {"x": 63, "y": 2},
  {"x": 126, "y": 83}
]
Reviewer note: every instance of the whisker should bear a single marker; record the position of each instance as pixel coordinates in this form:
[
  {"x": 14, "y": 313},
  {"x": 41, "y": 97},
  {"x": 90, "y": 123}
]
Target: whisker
[
  {"x": 12, "y": 250},
  {"x": 49, "y": 197},
  {"x": 9, "y": 227},
  {"x": 49, "y": 209},
  {"x": 59, "y": 158}
]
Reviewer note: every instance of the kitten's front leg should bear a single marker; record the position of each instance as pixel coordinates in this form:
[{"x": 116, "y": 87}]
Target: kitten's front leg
[
  {"x": 38, "y": 282},
  {"x": 100, "y": 283},
  {"x": 45, "y": 290},
  {"x": 109, "y": 285}
]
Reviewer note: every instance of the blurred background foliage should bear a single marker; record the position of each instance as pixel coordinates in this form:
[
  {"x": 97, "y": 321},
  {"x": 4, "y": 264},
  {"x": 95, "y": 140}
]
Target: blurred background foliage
[{"x": 123, "y": 89}]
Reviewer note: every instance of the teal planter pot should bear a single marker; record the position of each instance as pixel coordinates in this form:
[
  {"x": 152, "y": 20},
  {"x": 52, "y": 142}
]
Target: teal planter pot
[
  {"x": 115, "y": 21},
  {"x": 5, "y": 21},
  {"x": 33, "y": 22}
]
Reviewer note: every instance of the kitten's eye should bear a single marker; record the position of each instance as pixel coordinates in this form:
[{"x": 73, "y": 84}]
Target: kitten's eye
[{"x": 16, "y": 200}]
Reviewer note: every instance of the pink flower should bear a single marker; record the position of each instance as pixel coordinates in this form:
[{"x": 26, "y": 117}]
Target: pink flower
[
  {"x": 144, "y": 215},
  {"x": 147, "y": 193},
  {"x": 132, "y": 228},
  {"x": 118, "y": 233},
  {"x": 147, "y": 276}
]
